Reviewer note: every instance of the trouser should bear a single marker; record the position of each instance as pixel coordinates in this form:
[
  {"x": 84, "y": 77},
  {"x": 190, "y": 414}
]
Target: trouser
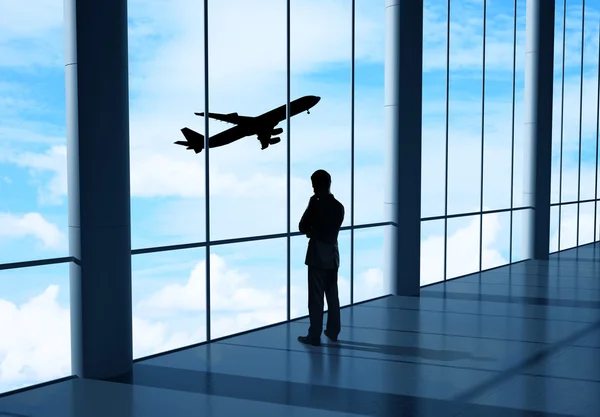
[{"x": 323, "y": 282}]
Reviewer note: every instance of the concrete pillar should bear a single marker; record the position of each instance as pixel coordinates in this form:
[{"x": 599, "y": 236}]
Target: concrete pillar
[
  {"x": 537, "y": 145},
  {"x": 98, "y": 180},
  {"x": 403, "y": 109}
]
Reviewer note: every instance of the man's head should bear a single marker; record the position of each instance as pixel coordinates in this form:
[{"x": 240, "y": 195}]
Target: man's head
[{"x": 321, "y": 181}]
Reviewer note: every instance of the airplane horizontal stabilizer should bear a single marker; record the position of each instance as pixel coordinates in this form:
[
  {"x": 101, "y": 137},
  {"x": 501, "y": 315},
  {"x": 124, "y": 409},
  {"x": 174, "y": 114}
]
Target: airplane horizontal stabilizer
[{"x": 195, "y": 140}]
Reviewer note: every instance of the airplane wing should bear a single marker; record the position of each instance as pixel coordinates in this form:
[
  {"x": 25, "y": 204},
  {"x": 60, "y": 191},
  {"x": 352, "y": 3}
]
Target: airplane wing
[{"x": 233, "y": 118}]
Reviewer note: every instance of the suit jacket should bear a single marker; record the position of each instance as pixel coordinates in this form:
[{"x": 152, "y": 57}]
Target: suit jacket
[{"x": 321, "y": 222}]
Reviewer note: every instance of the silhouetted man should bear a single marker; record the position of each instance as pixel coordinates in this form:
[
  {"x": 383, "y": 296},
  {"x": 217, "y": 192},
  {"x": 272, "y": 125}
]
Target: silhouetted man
[{"x": 321, "y": 223}]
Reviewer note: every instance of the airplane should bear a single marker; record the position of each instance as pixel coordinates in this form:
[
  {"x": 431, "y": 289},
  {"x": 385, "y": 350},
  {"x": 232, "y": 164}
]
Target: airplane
[{"x": 263, "y": 126}]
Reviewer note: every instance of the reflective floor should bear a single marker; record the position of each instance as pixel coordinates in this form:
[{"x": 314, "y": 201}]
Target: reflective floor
[{"x": 522, "y": 340}]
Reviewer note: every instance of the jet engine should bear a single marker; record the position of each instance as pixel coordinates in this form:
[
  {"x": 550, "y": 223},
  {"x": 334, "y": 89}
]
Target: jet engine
[
  {"x": 277, "y": 131},
  {"x": 273, "y": 141}
]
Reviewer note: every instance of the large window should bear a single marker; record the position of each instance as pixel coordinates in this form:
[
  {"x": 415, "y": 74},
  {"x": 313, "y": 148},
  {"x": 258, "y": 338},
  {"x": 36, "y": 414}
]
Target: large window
[
  {"x": 433, "y": 170},
  {"x": 473, "y": 80},
  {"x": 258, "y": 186},
  {"x": 320, "y": 65},
  {"x": 248, "y": 286},
  {"x": 34, "y": 301},
  {"x": 369, "y": 124},
  {"x": 575, "y": 124},
  {"x": 169, "y": 300},
  {"x": 247, "y": 76},
  {"x": 35, "y": 337},
  {"x": 166, "y": 82},
  {"x": 216, "y": 249},
  {"x": 33, "y": 180}
]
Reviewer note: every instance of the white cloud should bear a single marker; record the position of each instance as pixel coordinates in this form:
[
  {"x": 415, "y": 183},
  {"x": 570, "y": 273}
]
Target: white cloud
[
  {"x": 463, "y": 250},
  {"x": 31, "y": 224},
  {"x": 568, "y": 229},
  {"x": 53, "y": 160},
  {"x": 369, "y": 284},
  {"x": 35, "y": 343},
  {"x": 230, "y": 291},
  {"x": 150, "y": 336},
  {"x": 239, "y": 301}
]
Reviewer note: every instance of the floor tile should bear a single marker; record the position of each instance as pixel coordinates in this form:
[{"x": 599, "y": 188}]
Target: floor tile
[
  {"x": 581, "y": 363},
  {"x": 501, "y": 328},
  {"x": 312, "y": 366},
  {"x": 512, "y": 307},
  {"x": 548, "y": 395},
  {"x": 519, "y": 279},
  {"x": 464, "y": 352},
  {"x": 591, "y": 340},
  {"x": 87, "y": 398}
]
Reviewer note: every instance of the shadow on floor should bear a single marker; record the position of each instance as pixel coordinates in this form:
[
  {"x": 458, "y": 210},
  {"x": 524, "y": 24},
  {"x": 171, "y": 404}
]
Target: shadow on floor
[{"x": 429, "y": 354}]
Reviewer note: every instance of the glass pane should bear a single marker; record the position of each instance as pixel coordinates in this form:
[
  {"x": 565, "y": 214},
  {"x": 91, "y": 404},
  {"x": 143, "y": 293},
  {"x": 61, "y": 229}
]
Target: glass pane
[
  {"x": 554, "y": 229},
  {"x": 169, "y": 300},
  {"x": 597, "y": 178},
  {"x": 166, "y": 84},
  {"x": 299, "y": 277},
  {"x": 557, "y": 110},
  {"x": 35, "y": 346},
  {"x": 463, "y": 246},
  {"x": 432, "y": 251},
  {"x": 344, "y": 241},
  {"x": 568, "y": 226},
  {"x": 33, "y": 158},
  {"x": 321, "y": 66},
  {"x": 590, "y": 106},
  {"x": 521, "y": 235},
  {"x": 570, "y": 159},
  {"x": 433, "y": 165},
  {"x": 247, "y": 75},
  {"x": 586, "y": 223},
  {"x": 369, "y": 132},
  {"x": 368, "y": 264},
  {"x": 597, "y": 222},
  {"x": 464, "y": 148},
  {"x": 498, "y": 120},
  {"x": 248, "y": 285},
  {"x": 495, "y": 240},
  {"x": 518, "y": 164}
]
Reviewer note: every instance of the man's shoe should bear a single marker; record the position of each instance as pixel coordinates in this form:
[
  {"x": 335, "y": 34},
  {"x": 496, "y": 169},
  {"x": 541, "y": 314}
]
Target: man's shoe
[
  {"x": 308, "y": 341},
  {"x": 330, "y": 336}
]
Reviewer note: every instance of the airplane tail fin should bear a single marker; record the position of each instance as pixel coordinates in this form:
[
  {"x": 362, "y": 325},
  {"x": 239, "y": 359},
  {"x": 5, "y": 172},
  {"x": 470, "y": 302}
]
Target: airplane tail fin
[{"x": 194, "y": 140}]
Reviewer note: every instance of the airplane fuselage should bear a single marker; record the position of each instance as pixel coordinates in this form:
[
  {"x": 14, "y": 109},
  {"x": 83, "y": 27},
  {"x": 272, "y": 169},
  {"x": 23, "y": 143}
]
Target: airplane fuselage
[{"x": 264, "y": 124}]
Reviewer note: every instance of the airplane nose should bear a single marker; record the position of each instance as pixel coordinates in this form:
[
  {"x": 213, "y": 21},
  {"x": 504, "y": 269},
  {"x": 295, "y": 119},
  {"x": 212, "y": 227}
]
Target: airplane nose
[{"x": 315, "y": 99}]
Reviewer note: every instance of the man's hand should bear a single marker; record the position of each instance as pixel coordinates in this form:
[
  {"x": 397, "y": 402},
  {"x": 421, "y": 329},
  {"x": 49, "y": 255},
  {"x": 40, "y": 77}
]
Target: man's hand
[{"x": 306, "y": 222}]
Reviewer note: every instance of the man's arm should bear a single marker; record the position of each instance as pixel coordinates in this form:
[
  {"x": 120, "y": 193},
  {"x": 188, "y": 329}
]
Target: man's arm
[{"x": 306, "y": 222}]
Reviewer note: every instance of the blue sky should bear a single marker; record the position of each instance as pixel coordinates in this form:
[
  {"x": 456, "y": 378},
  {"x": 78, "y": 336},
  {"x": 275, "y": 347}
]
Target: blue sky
[{"x": 247, "y": 75}]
